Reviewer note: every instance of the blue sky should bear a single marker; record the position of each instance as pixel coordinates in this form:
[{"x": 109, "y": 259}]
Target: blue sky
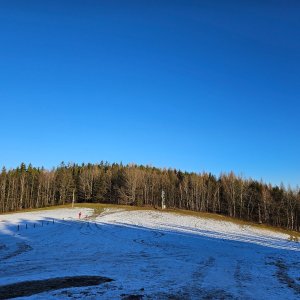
[{"x": 197, "y": 85}]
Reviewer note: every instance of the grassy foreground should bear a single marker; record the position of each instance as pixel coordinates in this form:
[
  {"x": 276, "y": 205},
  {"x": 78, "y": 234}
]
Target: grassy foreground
[{"x": 99, "y": 208}]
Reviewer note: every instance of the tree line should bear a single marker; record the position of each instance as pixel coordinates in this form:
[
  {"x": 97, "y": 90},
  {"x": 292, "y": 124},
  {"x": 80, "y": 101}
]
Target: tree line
[{"x": 30, "y": 187}]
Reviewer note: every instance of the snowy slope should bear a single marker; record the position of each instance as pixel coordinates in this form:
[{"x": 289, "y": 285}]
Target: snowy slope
[{"x": 153, "y": 254}]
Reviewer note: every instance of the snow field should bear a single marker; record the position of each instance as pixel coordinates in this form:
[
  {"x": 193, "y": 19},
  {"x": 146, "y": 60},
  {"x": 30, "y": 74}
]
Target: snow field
[{"x": 153, "y": 254}]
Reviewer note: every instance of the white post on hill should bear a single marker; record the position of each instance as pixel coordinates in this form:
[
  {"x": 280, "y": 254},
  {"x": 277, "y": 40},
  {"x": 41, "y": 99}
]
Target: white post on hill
[
  {"x": 73, "y": 200},
  {"x": 163, "y": 203}
]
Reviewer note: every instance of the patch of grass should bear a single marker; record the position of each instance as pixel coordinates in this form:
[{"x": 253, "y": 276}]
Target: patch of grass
[
  {"x": 294, "y": 238},
  {"x": 37, "y": 209},
  {"x": 96, "y": 206}
]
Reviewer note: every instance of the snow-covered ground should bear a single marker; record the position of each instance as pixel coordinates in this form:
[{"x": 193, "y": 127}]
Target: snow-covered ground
[{"x": 150, "y": 254}]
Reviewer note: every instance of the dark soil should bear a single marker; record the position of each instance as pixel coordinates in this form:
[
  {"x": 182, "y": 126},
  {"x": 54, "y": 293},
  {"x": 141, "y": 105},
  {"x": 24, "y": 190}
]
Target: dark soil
[
  {"x": 132, "y": 297},
  {"x": 29, "y": 288}
]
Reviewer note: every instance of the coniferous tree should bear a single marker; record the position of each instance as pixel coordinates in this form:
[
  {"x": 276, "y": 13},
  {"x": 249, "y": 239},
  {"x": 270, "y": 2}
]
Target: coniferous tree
[{"x": 30, "y": 187}]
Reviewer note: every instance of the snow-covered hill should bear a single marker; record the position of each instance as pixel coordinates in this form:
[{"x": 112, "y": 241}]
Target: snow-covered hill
[{"x": 148, "y": 255}]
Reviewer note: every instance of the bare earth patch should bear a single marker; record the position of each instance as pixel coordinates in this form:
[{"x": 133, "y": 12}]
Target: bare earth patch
[{"x": 29, "y": 288}]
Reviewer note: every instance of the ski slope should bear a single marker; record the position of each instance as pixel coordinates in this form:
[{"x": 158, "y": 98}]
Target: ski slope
[{"x": 148, "y": 255}]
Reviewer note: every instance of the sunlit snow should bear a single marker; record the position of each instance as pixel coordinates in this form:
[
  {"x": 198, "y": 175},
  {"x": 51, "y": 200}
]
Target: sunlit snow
[{"x": 149, "y": 254}]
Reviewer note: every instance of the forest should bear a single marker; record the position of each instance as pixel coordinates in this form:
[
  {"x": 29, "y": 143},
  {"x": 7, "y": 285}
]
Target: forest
[{"x": 28, "y": 187}]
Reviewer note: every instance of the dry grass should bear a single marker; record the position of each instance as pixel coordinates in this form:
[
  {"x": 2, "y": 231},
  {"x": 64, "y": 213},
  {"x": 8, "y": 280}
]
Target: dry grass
[{"x": 37, "y": 209}]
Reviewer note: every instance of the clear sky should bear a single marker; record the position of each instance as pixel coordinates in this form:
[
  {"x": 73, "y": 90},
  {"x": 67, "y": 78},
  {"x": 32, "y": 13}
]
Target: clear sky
[{"x": 197, "y": 85}]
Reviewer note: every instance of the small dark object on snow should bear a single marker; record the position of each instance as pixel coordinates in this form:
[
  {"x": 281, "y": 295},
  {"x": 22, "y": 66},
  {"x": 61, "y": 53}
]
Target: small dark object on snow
[{"x": 132, "y": 297}]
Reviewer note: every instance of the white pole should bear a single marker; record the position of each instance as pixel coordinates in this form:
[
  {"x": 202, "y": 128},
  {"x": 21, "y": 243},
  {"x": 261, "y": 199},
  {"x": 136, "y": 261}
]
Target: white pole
[
  {"x": 163, "y": 205},
  {"x": 73, "y": 199}
]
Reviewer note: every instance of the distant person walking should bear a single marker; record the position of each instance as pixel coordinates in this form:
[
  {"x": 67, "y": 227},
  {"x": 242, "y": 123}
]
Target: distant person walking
[{"x": 79, "y": 215}]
